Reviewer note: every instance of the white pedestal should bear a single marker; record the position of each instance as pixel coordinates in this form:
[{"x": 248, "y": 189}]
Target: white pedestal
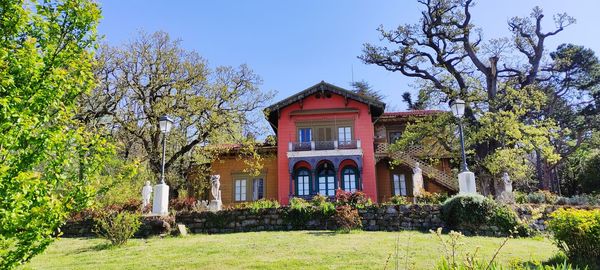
[
  {"x": 466, "y": 183},
  {"x": 215, "y": 205},
  {"x": 160, "y": 206}
]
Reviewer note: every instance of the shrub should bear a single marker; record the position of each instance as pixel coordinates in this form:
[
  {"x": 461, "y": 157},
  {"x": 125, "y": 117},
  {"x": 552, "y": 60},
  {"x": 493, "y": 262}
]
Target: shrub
[
  {"x": 346, "y": 218},
  {"x": 117, "y": 227},
  {"x": 299, "y": 212},
  {"x": 542, "y": 196},
  {"x": 256, "y": 206},
  {"x": 398, "y": 200},
  {"x": 473, "y": 211},
  {"x": 322, "y": 205},
  {"x": 187, "y": 204},
  {"x": 357, "y": 200},
  {"x": 577, "y": 233},
  {"x": 432, "y": 198}
]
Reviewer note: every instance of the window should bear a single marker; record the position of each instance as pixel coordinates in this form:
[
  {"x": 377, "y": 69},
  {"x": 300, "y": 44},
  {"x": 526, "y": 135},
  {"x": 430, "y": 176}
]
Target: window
[
  {"x": 240, "y": 190},
  {"x": 303, "y": 183},
  {"x": 304, "y": 135},
  {"x": 350, "y": 179},
  {"x": 258, "y": 189},
  {"x": 326, "y": 180},
  {"x": 344, "y": 134},
  {"x": 399, "y": 184}
]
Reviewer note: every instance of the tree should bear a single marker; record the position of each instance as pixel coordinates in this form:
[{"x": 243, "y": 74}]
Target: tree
[
  {"x": 573, "y": 89},
  {"x": 46, "y": 157},
  {"x": 447, "y": 54},
  {"x": 153, "y": 76},
  {"x": 364, "y": 89}
]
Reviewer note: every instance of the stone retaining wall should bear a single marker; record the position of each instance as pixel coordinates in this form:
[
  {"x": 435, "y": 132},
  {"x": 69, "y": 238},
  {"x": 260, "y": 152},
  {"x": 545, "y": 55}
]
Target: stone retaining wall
[{"x": 376, "y": 218}]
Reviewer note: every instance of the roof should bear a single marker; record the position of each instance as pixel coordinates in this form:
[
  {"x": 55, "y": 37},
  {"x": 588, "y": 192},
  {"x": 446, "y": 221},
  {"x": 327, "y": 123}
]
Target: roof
[
  {"x": 376, "y": 107},
  {"x": 411, "y": 113}
]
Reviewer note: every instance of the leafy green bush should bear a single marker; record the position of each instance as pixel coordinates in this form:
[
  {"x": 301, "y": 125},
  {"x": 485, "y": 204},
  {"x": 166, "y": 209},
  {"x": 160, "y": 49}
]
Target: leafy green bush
[
  {"x": 398, "y": 200},
  {"x": 346, "y": 218},
  {"x": 117, "y": 227},
  {"x": 322, "y": 205},
  {"x": 577, "y": 233},
  {"x": 432, "y": 197},
  {"x": 256, "y": 206},
  {"x": 473, "y": 211},
  {"x": 299, "y": 212},
  {"x": 541, "y": 196}
]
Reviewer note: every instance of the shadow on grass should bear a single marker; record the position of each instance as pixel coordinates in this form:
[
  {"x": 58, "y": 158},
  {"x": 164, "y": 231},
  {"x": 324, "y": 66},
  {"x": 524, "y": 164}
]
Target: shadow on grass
[
  {"x": 98, "y": 247},
  {"x": 323, "y": 233}
]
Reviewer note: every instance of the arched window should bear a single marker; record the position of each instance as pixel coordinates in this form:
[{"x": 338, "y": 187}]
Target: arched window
[
  {"x": 326, "y": 179},
  {"x": 302, "y": 182},
  {"x": 350, "y": 179}
]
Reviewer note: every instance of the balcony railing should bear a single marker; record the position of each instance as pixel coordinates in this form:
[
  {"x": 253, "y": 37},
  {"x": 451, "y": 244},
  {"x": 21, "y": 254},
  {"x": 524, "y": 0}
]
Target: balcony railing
[{"x": 323, "y": 145}]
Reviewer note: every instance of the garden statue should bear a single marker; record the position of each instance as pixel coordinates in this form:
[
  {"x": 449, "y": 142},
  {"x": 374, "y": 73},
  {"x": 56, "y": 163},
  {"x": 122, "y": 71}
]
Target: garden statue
[
  {"x": 417, "y": 180},
  {"x": 215, "y": 185},
  {"x": 146, "y": 193},
  {"x": 506, "y": 194}
]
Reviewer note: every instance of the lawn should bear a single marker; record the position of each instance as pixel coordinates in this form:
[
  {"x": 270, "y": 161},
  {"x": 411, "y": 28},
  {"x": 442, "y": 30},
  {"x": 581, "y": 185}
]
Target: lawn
[{"x": 277, "y": 250}]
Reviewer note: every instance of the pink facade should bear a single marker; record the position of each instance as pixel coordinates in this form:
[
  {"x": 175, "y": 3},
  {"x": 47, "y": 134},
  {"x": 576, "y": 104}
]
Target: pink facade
[{"x": 324, "y": 106}]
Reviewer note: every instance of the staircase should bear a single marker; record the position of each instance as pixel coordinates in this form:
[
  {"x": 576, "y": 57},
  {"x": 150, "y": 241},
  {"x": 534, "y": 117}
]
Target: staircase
[{"x": 439, "y": 176}]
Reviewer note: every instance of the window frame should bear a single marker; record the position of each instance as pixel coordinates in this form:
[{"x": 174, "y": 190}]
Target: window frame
[
  {"x": 320, "y": 172},
  {"x": 245, "y": 190},
  {"x": 356, "y": 174},
  {"x": 398, "y": 186},
  {"x": 297, "y": 183}
]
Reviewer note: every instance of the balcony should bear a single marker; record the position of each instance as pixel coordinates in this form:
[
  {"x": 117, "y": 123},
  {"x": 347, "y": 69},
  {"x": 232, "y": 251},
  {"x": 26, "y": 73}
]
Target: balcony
[
  {"x": 324, "y": 148},
  {"x": 323, "y": 145}
]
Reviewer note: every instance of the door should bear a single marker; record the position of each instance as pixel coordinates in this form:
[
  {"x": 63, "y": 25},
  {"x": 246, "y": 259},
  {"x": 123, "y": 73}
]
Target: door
[{"x": 324, "y": 138}]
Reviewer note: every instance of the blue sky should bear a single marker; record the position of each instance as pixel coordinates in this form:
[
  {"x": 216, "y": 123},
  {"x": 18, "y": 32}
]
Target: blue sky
[{"x": 295, "y": 44}]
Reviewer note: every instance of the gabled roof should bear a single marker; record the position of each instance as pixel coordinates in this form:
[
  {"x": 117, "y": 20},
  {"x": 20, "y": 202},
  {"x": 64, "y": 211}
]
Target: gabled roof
[{"x": 376, "y": 107}]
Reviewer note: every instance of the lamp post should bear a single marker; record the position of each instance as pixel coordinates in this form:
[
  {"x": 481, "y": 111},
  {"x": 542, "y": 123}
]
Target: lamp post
[
  {"x": 160, "y": 205},
  {"x": 466, "y": 178},
  {"x": 458, "y": 110},
  {"x": 165, "y": 123}
]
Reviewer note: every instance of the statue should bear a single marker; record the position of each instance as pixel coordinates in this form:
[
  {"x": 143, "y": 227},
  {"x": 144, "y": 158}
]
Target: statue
[
  {"x": 507, "y": 182},
  {"x": 417, "y": 180},
  {"x": 146, "y": 193},
  {"x": 215, "y": 185},
  {"x": 506, "y": 195}
]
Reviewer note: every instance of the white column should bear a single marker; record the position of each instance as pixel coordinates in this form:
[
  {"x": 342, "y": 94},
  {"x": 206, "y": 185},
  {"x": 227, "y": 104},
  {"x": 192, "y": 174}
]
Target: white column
[
  {"x": 160, "y": 205},
  {"x": 466, "y": 183}
]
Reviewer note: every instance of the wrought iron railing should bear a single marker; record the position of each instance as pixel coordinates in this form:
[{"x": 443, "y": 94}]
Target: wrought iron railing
[{"x": 323, "y": 145}]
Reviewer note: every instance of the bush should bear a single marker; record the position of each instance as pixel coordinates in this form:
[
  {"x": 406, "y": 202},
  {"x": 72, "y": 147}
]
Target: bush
[
  {"x": 117, "y": 227},
  {"x": 325, "y": 207},
  {"x": 398, "y": 200},
  {"x": 299, "y": 212},
  {"x": 356, "y": 200},
  {"x": 577, "y": 233},
  {"x": 346, "y": 218},
  {"x": 432, "y": 198},
  {"x": 256, "y": 206},
  {"x": 473, "y": 211}
]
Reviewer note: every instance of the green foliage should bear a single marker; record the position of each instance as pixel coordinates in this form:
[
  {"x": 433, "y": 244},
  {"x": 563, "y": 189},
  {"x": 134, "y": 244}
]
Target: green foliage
[
  {"x": 432, "y": 197},
  {"x": 322, "y": 205},
  {"x": 256, "y": 206},
  {"x": 117, "y": 227},
  {"x": 118, "y": 181},
  {"x": 346, "y": 218},
  {"x": 398, "y": 200},
  {"x": 581, "y": 173},
  {"x": 577, "y": 233},
  {"x": 47, "y": 157},
  {"x": 299, "y": 212},
  {"x": 473, "y": 211}
]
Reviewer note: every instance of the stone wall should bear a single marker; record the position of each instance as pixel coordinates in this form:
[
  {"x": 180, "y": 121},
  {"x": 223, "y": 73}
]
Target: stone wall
[{"x": 376, "y": 218}]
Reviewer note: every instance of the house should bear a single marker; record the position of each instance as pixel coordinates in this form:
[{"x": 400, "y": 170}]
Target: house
[{"x": 330, "y": 138}]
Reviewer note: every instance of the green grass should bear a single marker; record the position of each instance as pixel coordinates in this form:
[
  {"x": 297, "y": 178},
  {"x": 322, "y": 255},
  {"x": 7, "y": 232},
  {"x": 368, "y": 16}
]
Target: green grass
[{"x": 277, "y": 250}]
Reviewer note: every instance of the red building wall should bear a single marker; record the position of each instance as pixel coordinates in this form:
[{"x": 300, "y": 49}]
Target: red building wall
[{"x": 363, "y": 131}]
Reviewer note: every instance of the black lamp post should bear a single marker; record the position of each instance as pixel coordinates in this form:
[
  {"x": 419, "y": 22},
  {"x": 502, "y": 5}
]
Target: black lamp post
[
  {"x": 165, "y": 124},
  {"x": 458, "y": 110}
]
